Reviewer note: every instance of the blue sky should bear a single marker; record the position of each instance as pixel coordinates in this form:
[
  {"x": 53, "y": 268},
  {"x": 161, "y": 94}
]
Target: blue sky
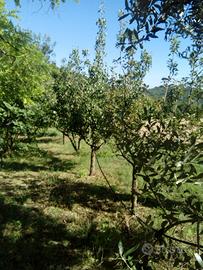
[{"x": 73, "y": 25}]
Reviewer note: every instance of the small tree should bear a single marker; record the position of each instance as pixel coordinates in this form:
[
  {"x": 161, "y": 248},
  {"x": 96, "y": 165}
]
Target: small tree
[
  {"x": 128, "y": 109},
  {"x": 93, "y": 101},
  {"x": 93, "y": 111},
  {"x": 81, "y": 89},
  {"x": 69, "y": 86}
]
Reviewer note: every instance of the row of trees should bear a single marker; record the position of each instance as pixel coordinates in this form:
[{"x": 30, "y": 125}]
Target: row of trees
[{"x": 159, "y": 138}]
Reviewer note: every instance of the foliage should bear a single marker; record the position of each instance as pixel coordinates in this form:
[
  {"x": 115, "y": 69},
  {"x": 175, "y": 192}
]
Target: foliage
[
  {"x": 127, "y": 109},
  {"x": 24, "y": 78},
  {"x": 19, "y": 124},
  {"x": 175, "y": 172},
  {"x": 69, "y": 88},
  {"x": 23, "y": 66},
  {"x": 163, "y": 141},
  {"x": 81, "y": 88},
  {"x": 53, "y": 3},
  {"x": 150, "y": 17},
  {"x": 12, "y": 121}
]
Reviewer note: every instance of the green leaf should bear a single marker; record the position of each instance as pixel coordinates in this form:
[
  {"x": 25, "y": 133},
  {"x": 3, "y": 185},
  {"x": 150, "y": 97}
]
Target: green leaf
[{"x": 131, "y": 250}]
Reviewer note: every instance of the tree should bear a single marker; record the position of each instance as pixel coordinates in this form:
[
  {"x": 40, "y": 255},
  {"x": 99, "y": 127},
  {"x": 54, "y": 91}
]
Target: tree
[
  {"x": 69, "y": 87},
  {"x": 81, "y": 88},
  {"x": 23, "y": 79},
  {"x": 53, "y": 3},
  {"x": 134, "y": 122},
  {"x": 93, "y": 110},
  {"x": 172, "y": 16},
  {"x": 165, "y": 139},
  {"x": 163, "y": 144},
  {"x": 131, "y": 116},
  {"x": 95, "y": 94},
  {"x": 129, "y": 109}
]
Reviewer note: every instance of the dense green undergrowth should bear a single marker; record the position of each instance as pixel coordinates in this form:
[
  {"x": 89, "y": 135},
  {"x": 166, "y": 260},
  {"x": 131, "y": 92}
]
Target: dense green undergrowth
[{"x": 52, "y": 216}]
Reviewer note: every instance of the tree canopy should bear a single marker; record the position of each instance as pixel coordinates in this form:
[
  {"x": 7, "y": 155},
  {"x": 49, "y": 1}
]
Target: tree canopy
[
  {"x": 147, "y": 18},
  {"x": 53, "y": 3}
]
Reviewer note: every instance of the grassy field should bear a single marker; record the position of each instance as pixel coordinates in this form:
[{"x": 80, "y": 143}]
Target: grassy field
[{"x": 53, "y": 216}]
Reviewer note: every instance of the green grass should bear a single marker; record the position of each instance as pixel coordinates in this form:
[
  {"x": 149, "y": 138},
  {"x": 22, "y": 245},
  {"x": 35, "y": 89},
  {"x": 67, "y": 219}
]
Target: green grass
[{"x": 53, "y": 216}]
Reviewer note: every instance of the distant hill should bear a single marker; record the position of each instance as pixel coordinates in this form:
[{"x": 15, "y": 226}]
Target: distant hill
[
  {"x": 159, "y": 92},
  {"x": 156, "y": 92}
]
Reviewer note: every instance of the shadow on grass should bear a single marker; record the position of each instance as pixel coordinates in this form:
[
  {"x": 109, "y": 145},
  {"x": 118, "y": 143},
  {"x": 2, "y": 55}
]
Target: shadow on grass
[
  {"x": 21, "y": 166},
  {"x": 168, "y": 204},
  {"x": 49, "y": 163},
  {"x": 101, "y": 198},
  {"x": 31, "y": 240},
  {"x": 89, "y": 195},
  {"x": 45, "y": 140}
]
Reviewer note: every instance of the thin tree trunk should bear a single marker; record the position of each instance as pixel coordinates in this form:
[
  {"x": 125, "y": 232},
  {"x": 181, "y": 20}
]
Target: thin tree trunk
[
  {"x": 134, "y": 190},
  {"x": 78, "y": 146},
  {"x": 73, "y": 143},
  {"x": 63, "y": 138},
  {"x": 93, "y": 161}
]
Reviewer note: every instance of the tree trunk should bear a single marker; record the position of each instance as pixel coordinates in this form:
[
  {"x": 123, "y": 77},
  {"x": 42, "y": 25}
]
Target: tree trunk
[
  {"x": 78, "y": 146},
  {"x": 134, "y": 190},
  {"x": 73, "y": 143},
  {"x": 63, "y": 138},
  {"x": 93, "y": 161}
]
